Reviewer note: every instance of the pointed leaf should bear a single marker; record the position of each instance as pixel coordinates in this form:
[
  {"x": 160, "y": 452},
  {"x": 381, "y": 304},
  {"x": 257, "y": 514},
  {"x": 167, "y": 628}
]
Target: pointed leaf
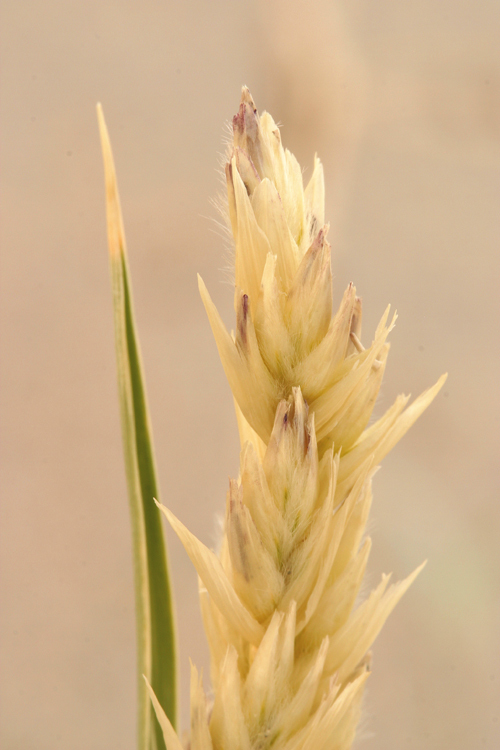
[{"x": 156, "y": 646}]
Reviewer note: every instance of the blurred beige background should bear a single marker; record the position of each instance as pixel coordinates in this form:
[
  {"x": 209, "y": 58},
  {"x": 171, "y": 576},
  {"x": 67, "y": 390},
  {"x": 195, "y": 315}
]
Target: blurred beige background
[{"x": 401, "y": 101}]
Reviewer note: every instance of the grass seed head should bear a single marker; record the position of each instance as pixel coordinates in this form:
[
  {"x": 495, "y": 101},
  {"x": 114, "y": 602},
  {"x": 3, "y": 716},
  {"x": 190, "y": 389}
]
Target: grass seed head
[{"x": 289, "y": 650}]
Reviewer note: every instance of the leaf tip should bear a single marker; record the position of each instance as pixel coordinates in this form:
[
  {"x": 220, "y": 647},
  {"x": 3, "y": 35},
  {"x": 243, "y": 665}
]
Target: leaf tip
[{"x": 116, "y": 236}]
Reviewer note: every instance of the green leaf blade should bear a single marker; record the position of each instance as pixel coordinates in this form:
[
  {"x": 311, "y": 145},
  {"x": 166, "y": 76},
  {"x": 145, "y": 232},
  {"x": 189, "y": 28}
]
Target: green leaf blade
[{"x": 156, "y": 637}]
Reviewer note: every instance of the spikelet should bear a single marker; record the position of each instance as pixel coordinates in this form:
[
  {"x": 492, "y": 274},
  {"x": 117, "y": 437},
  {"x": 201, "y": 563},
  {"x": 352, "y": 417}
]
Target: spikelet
[{"x": 289, "y": 650}]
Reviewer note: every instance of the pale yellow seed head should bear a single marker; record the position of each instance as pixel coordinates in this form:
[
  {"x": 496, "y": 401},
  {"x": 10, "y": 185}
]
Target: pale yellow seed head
[{"x": 289, "y": 650}]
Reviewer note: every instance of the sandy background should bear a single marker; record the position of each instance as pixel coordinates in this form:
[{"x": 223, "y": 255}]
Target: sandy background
[{"x": 401, "y": 100}]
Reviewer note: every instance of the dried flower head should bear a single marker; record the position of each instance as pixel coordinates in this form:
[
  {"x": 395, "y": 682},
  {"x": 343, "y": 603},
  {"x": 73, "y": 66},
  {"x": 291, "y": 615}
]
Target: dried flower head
[{"x": 289, "y": 649}]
